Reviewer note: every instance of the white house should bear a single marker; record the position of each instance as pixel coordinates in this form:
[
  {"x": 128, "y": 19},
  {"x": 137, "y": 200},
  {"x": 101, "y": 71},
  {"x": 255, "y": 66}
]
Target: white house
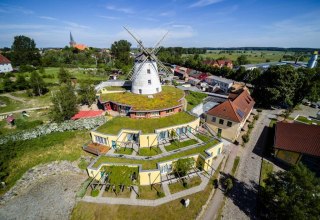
[
  {"x": 5, "y": 64},
  {"x": 223, "y": 83}
]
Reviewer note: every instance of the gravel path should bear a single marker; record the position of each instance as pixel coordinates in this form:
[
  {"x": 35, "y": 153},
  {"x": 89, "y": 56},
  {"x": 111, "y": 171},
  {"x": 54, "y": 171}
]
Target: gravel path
[
  {"x": 49, "y": 198},
  {"x": 241, "y": 203},
  {"x": 13, "y": 97}
]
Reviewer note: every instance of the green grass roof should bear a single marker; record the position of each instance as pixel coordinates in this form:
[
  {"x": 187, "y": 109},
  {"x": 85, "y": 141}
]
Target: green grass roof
[
  {"x": 151, "y": 164},
  {"x": 146, "y": 125},
  {"x": 169, "y": 97}
]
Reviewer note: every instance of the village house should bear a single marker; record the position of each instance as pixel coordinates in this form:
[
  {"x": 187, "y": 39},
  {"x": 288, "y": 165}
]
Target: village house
[
  {"x": 217, "y": 81},
  {"x": 219, "y": 63},
  {"x": 5, "y": 64},
  {"x": 297, "y": 142},
  {"x": 228, "y": 118}
]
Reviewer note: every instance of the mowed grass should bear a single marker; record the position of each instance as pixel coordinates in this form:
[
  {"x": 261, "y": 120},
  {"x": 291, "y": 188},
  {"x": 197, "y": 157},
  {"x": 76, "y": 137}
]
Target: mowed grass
[
  {"x": 168, "y": 211},
  {"x": 124, "y": 150},
  {"x": 20, "y": 156},
  {"x": 151, "y": 164},
  {"x": 147, "y": 125},
  {"x": 149, "y": 151},
  {"x": 194, "y": 99},
  {"x": 150, "y": 192},
  {"x": 266, "y": 168},
  {"x": 176, "y": 144},
  {"x": 169, "y": 97},
  {"x": 178, "y": 186},
  {"x": 254, "y": 56}
]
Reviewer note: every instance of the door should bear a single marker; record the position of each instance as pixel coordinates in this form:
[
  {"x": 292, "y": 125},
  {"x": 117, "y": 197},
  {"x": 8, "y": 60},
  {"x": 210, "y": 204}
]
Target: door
[
  {"x": 108, "y": 106},
  {"x": 114, "y": 145},
  {"x": 219, "y": 132}
]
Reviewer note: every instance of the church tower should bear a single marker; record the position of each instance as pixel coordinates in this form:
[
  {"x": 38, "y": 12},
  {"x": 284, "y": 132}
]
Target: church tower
[{"x": 72, "y": 42}]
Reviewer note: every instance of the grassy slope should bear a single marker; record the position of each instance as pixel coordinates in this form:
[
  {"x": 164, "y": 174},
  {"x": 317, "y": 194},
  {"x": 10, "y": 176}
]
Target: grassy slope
[
  {"x": 145, "y": 125},
  {"x": 194, "y": 99},
  {"x": 52, "y": 147},
  {"x": 167, "y": 98}
]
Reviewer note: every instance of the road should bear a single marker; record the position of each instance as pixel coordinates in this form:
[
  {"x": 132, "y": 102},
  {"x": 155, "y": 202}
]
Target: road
[{"x": 242, "y": 201}]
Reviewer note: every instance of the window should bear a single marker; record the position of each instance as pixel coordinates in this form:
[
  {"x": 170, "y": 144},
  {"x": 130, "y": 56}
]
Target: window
[
  {"x": 149, "y": 82},
  {"x": 140, "y": 91},
  {"x": 148, "y": 71},
  {"x": 213, "y": 119},
  {"x": 229, "y": 123},
  {"x": 154, "y": 114},
  {"x": 221, "y": 121},
  {"x": 140, "y": 114}
]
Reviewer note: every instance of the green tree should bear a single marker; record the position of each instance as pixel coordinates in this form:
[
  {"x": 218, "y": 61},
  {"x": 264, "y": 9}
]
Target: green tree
[
  {"x": 242, "y": 60},
  {"x": 37, "y": 84},
  {"x": 121, "y": 51},
  {"x": 8, "y": 85},
  {"x": 182, "y": 166},
  {"x": 87, "y": 93},
  {"x": 64, "y": 75},
  {"x": 25, "y": 51},
  {"x": 293, "y": 194},
  {"x": 21, "y": 82},
  {"x": 64, "y": 103}
]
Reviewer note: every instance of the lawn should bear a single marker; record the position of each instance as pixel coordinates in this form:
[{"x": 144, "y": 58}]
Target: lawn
[
  {"x": 266, "y": 168},
  {"x": 194, "y": 99},
  {"x": 170, "y": 210},
  {"x": 204, "y": 138},
  {"x": 21, "y": 123},
  {"x": 10, "y": 104},
  {"x": 151, "y": 164},
  {"x": 307, "y": 120},
  {"x": 254, "y": 56},
  {"x": 18, "y": 157},
  {"x": 169, "y": 97},
  {"x": 147, "y": 125},
  {"x": 176, "y": 144},
  {"x": 149, "y": 151},
  {"x": 120, "y": 175},
  {"x": 124, "y": 150},
  {"x": 116, "y": 88},
  {"x": 178, "y": 186},
  {"x": 148, "y": 192},
  {"x": 235, "y": 165}
]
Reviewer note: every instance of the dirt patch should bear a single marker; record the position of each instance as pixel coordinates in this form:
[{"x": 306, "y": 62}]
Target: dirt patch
[{"x": 49, "y": 198}]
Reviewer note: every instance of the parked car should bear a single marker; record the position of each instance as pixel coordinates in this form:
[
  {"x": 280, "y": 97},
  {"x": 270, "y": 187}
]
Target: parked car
[
  {"x": 307, "y": 103},
  {"x": 314, "y": 105}
]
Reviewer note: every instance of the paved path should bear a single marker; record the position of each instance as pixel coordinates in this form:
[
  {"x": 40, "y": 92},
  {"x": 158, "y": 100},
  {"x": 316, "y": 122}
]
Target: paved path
[
  {"x": 140, "y": 202},
  {"x": 166, "y": 189},
  {"x": 215, "y": 203},
  {"x": 13, "y": 97},
  {"x": 26, "y": 109},
  {"x": 242, "y": 201}
]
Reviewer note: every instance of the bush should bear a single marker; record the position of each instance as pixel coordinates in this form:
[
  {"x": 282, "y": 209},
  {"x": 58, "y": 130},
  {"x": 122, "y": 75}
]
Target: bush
[
  {"x": 95, "y": 192},
  {"x": 259, "y": 110},
  {"x": 245, "y": 138},
  {"x": 250, "y": 126},
  {"x": 160, "y": 194},
  {"x": 256, "y": 117}
]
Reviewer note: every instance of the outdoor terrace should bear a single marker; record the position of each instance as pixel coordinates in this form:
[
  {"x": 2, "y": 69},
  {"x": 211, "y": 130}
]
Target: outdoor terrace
[
  {"x": 147, "y": 125},
  {"x": 169, "y": 97}
]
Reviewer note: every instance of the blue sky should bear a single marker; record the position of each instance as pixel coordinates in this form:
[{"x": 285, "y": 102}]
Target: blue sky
[{"x": 198, "y": 23}]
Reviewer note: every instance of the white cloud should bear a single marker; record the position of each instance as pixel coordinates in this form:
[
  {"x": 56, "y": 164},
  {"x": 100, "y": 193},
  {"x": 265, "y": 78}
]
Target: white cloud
[
  {"x": 10, "y": 9},
  {"x": 75, "y": 25},
  {"x": 168, "y": 14},
  {"x": 108, "y": 17},
  {"x": 48, "y": 18},
  {"x": 119, "y": 9},
  {"x": 202, "y": 3}
]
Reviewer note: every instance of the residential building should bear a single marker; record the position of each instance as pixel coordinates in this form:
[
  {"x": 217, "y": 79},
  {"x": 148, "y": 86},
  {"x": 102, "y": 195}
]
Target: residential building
[
  {"x": 223, "y": 83},
  {"x": 219, "y": 63},
  {"x": 5, "y": 64},
  {"x": 297, "y": 142},
  {"x": 228, "y": 118}
]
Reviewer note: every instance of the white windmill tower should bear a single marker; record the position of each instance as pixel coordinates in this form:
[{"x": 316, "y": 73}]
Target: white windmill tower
[{"x": 145, "y": 75}]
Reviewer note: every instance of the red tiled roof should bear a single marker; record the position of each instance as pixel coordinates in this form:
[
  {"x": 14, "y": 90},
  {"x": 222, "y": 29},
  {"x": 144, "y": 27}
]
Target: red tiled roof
[
  {"x": 235, "y": 110},
  {"x": 87, "y": 114},
  {"x": 296, "y": 137},
  {"x": 4, "y": 60}
]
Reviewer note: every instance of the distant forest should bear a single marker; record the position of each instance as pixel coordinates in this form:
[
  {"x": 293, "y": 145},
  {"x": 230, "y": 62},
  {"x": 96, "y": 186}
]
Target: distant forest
[{"x": 293, "y": 49}]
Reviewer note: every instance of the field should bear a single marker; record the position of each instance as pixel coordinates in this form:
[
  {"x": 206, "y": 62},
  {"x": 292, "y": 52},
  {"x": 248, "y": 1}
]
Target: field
[
  {"x": 17, "y": 157},
  {"x": 254, "y": 56},
  {"x": 148, "y": 125}
]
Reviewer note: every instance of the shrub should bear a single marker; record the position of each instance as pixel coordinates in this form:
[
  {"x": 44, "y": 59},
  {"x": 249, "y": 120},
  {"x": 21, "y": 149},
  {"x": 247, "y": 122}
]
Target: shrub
[
  {"x": 245, "y": 138},
  {"x": 259, "y": 110},
  {"x": 160, "y": 194},
  {"x": 256, "y": 117},
  {"x": 250, "y": 126},
  {"x": 95, "y": 192}
]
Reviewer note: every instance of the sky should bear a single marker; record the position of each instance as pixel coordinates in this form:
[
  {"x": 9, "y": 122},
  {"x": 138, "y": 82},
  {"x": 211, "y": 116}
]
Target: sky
[{"x": 197, "y": 23}]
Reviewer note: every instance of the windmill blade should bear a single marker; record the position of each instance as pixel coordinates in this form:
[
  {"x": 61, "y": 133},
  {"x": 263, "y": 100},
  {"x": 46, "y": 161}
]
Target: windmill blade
[
  {"x": 156, "y": 47},
  {"x": 138, "y": 41},
  {"x": 162, "y": 65},
  {"x": 130, "y": 73}
]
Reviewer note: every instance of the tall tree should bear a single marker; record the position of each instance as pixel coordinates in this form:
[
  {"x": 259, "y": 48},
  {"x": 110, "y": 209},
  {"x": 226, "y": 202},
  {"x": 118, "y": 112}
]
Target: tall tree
[
  {"x": 64, "y": 103},
  {"x": 87, "y": 93},
  {"x": 21, "y": 82},
  {"x": 64, "y": 75},
  {"x": 183, "y": 166},
  {"x": 121, "y": 51},
  {"x": 242, "y": 60},
  {"x": 37, "y": 84},
  {"x": 293, "y": 194},
  {"x": 25, "y": 51}
]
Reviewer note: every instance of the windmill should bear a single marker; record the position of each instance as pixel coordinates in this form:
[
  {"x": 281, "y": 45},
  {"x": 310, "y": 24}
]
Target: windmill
[{"x": 145, "y": 74}]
